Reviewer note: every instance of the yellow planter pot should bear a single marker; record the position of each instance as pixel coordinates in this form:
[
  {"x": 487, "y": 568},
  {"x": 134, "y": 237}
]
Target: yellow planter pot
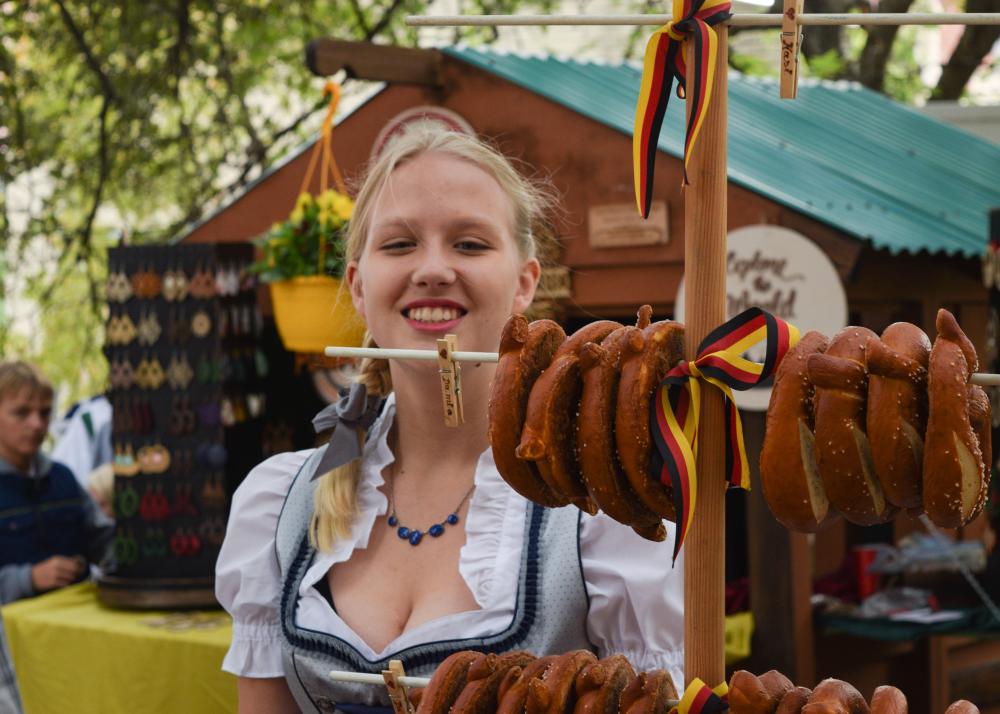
[{"x": 313, "y": 312}]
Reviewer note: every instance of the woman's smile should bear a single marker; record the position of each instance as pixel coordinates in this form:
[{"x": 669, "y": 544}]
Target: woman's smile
[{"x": 438, "y": 316}]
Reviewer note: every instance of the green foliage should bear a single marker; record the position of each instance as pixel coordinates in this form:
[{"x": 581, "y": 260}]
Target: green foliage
[
  {"x": 902, "y": 73},
  {"x": 292, "y": 247},
  {"x": 749, "y": 65},
  {"x": 829, "y": 65}
]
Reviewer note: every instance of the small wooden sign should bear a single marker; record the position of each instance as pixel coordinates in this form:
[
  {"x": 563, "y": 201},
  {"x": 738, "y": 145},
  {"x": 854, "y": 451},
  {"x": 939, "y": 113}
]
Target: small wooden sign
[{"x": 619, "y": 225}]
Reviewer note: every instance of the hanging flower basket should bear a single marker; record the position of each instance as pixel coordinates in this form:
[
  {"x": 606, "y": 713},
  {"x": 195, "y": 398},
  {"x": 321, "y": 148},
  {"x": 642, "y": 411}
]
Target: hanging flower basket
[
  {"x": 313, "y": 311},
  {"x": 302, "y": 258}
]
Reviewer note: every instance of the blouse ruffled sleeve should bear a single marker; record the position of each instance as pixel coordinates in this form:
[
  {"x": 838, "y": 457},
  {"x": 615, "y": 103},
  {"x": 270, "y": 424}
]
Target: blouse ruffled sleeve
[
  {"x": 247, "y": 578},
  {"x": 636, "y": 597}
]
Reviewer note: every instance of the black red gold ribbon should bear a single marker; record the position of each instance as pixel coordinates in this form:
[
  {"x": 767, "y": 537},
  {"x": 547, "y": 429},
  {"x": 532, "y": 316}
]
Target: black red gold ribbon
[
  {"x": 693, "y": 19},
  {"x": 699, "y": 698},
  {"x": 676, "y": 406}
]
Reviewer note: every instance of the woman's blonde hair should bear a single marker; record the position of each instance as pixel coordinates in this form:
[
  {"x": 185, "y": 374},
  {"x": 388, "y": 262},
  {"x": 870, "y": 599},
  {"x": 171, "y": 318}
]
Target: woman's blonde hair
[{"x": 335, "y": 502}]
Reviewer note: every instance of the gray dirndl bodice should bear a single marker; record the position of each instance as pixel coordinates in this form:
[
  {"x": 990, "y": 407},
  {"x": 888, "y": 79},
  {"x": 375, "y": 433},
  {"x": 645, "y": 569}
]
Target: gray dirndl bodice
[{"x": 550, "y": 615}]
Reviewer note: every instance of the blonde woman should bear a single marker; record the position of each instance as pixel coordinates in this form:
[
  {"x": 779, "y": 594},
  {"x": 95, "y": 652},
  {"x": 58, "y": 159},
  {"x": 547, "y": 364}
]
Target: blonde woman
[{"x": 417, "y": 548}]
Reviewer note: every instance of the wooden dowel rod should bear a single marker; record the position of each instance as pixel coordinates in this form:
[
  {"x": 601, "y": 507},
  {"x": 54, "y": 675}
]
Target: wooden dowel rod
[
  {"x": 379, "y": 353},
  {"x": 416, "y": 682},
  {"x": 705, "y": 226},
  {"x": 737, "y": 20},
  {"x": 363, "y": 678},
  {"x": 981, "y": 378}
]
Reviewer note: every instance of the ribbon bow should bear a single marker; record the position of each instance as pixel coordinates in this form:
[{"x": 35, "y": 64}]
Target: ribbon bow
[
  {"x": 676, "y": 407},
  {"x": 699, "y": 698},
  {"x": 354, "y": 411},
  {"x": 664, "y": 60}
]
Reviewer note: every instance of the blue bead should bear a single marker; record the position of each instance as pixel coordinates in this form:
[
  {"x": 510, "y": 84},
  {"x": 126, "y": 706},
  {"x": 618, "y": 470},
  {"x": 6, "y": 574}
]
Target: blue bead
[
  {"x": 435, "y": 530},
  {"x": 415, "y": 537},
  {"x": 393, "y": 521},
  {"x": 403, "y": 532},
  {"x": 452, "y": 519}
]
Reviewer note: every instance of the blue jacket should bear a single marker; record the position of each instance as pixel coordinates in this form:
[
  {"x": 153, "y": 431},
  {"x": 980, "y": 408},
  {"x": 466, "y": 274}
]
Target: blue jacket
[{"x": 44, "y": 513}]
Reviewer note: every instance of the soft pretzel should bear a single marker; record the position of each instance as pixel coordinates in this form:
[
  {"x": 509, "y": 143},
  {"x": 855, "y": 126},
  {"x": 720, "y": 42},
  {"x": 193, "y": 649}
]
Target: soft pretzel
[
  {"x": 962, "y": 706},
  {"x": 447, "y": 683},
  {"x": 981, "y": 419},
  {"x": 749, "y": 694},
  {"x": 513, "y": 692},
  {"x": 793, "y": 701},
  {"x": 888, "y": 700},
  {"x": 833, "y": 696},
  {"x": 525, "y": 350},
  {"x": 955, "y": 474},
  {"x": 897, "y": 411},
  {"x": 548, "y": 437},
  {"x": 554, "y": 693},
  {"x": 789, "y": 475},
  {"x": 843, "y": 453},
  {"x": 641, "y": 374},
  {"x": 599, "y": 685},
  {"x": 649, "y": 693},
  {"x": 607, "y": 484},
  {"x": 479, "y": 696}
]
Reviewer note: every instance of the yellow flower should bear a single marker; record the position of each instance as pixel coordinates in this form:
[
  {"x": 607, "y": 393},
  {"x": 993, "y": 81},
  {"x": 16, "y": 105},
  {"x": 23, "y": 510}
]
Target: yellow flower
[
  {"x": 275, "y": 227},
  {"x": 304, "y": 200},
  {"x": 343, "y": 206},
  {"x": 324, "y": 216},
  {"x": 296, "y": 216}
]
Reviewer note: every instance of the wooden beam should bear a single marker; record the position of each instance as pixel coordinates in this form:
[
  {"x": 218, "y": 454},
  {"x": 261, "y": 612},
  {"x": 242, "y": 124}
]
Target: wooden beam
[
  {"x": 379, "y": 63},
  {"x": 705, "y": 218}
]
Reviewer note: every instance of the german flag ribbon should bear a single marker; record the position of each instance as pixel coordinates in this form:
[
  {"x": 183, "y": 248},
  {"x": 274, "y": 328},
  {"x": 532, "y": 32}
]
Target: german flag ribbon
[
  {"x": 699, "y": 698},
  {"x": 664, "y": 61},
  {"x": 676, "y": 406}
]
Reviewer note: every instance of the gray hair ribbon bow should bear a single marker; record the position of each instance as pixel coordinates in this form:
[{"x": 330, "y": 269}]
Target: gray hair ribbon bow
[{"x": 354, "y": 411}]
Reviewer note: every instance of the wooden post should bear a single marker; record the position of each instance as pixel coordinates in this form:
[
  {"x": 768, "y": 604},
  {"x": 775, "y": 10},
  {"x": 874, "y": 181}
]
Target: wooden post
[{"x": 705, "y": 222}]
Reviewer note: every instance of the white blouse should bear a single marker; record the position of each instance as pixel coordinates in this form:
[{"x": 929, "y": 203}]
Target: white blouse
[{"x": 636, "y": 598}]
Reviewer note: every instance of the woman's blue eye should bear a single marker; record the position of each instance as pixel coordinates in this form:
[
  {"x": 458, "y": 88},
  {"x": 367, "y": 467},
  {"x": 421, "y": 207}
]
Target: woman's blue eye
[{"x": 472, "y": 245}]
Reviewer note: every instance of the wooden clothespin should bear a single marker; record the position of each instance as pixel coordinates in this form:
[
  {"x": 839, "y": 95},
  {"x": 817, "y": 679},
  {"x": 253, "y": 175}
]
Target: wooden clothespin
[
  {"x": 398, "y": 692},
  {"x": 791, "y": 40},
  {"x": 451, "y": 381}
]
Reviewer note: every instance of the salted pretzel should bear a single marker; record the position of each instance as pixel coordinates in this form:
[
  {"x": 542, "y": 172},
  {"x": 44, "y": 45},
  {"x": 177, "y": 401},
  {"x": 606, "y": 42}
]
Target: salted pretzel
[
  {"x": 513, "y": 692},
  {"x": 649, "y": 693},
  {"x": 599, "y": 685},
  {"x": 607, "y": 484},
  {"x": 789, "y": 474},
  {"x": 446, "y": 684},
  {"x": 641, "y": 374},
  {"x": 793, "y": 700},
  {"x": 956, "y": 475},
  {"x": 833, "y": 696},
  {"x": 888, "y": 700},
  {"x": 486, "y": 672},
  {"x": 962, "y": 706},
  {"x": 525, "y": 350},
  {"x": 843, "y": 453},
  {"x": 548, "y": 438},
  {"x": 749, "y": 694},
  {"x": 897, "y": 411},
  {"x": 555, "y": 692}
]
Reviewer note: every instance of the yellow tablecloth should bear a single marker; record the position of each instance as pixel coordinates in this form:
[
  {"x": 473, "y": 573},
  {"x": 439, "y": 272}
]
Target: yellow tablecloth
[{"x": 74, "y": 655}]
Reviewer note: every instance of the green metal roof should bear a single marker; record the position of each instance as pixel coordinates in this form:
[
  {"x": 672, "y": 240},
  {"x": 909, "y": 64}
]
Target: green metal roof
[{"x": 840, "y": 153}]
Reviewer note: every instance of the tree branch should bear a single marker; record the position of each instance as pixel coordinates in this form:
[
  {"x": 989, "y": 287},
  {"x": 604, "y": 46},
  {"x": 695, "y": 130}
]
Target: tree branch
[
  {"x": 878, "y": 47},
  {"x": 975, "y": 44},
  {"x": 106, "y": 87}
]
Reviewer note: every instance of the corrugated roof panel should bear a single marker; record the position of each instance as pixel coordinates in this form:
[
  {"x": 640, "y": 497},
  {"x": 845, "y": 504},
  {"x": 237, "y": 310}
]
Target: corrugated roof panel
[{"x": 839, "y": 153}]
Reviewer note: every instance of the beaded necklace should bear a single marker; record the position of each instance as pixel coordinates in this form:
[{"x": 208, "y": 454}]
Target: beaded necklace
[{"x": 415, "y": 535}]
